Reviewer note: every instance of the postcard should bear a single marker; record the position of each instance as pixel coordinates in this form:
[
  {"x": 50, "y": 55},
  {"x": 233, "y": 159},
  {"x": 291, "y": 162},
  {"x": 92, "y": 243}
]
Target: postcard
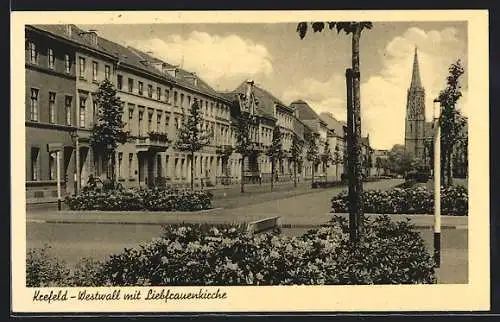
[{"x": 250, "y": 161}]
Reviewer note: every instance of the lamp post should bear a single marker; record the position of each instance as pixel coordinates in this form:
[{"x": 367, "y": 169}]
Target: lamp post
[{"x": 437, "y": 184}]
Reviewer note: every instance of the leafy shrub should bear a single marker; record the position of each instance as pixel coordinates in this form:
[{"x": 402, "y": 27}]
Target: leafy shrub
[
  {"x": 413, "y": 200},
  {"x": 150, "y": 199},
  {"x": 390, "y": 253},
  {"x": 202, "y": 254},
  {"x": 44, "y": 270},
  {"x": 326, "y": 184}
]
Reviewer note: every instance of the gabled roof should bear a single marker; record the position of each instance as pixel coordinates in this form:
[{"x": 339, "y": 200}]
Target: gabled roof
[{"x": 266, "y": 100}]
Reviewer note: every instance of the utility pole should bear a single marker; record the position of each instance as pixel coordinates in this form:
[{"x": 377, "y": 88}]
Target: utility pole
[{"x": 437, "y": 185}]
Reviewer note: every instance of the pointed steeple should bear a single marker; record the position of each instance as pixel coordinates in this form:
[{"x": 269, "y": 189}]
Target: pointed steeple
[{"x": 415, "y": 76}]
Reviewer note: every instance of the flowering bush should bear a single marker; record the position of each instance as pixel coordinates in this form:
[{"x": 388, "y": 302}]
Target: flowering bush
[
  {"x": 44, "y": 270},
  {"x": 150, "y": 199},
  {"x": 414, "y": 200}
]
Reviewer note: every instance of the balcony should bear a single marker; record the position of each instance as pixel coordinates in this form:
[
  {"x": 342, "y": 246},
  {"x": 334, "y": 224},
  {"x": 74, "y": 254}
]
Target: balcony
[
  {"x": 224, "y": 150},
  {"x": 155, "y": 142},
  {"x": 257, "y": 146}
]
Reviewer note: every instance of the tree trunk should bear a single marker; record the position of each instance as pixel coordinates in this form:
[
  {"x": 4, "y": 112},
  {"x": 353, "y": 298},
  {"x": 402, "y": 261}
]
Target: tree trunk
[
  {"x": 358, "y": 176},
  {"x": 192, "y": 171},
  {"x": 272, "y": 173},
  {"x": 449, "y": 168},
  {"x": 312, "y": 174},
  {"x": 295, "y": 174},
  {"x": 242, "y": 183}
]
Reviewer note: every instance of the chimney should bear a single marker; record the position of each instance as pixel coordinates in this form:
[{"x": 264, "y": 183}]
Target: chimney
[
  {"x": 69, "y": 29},
  {"x": 249, "y": 87}
]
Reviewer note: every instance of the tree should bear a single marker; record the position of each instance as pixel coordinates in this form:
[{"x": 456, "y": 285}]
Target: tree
[
  {"x": 355, "y": 190},
  {"x": 243, "y": 140},
  {"x": 297, "y": 147},
  {"x": 108, "y": 132},
  {"x": 326, "y": 157},
  {"x": 275, "y": 152},
  {"x": 312, "y": 153},
  {"x": 378, "y": 165},
  {"x": 337, "y": 159},
  {"x": 192, "y": 138},
  {"x": 451, "y": 122},
  {"x": 399, "y": 160}
]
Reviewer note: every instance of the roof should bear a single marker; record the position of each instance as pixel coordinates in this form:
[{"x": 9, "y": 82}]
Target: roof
[
  {"x": 332, "y": 123},
  {"x": 304, "y": 111},
  {"x": 128, "y": 56},
  {"x": 265, "y": 99}
]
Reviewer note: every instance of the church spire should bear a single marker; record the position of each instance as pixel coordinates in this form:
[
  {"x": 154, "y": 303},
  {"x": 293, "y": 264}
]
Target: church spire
[{"x": 415, "y": 77}]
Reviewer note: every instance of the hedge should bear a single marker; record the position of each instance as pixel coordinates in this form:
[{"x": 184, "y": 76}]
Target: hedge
[
  {"x": 413, "y": 200},
  {"x": 147, "y": 199},
  {"x": 390, "y": 253}
]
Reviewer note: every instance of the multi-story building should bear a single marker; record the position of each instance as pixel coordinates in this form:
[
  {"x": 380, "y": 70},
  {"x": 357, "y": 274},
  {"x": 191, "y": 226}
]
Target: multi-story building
[
  {"x": 155, "y": 96},
  {"x": 338, "y": 144},
  {"x": 319, "y": 129},
  {"x": 50, "y": 119}
]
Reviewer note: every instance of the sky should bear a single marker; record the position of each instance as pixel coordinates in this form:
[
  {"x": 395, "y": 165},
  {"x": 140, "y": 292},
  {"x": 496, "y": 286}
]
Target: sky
[{"x": 313, "y": 69}]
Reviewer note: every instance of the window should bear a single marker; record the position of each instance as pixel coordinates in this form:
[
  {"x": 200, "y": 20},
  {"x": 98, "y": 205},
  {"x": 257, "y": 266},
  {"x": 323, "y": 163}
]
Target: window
[
  {"x": 130, "y": 85},
  {"x": 167, "y": 96},
  {"x": 150, "y": 91},
  {"x": 83, "y": 101},
  {"x": 175, "y": 99},
  {"x": 176, "y": 122},
  {"x": 95, "y": 110},
  {"x": 130, "y": 116},
  {"x": 107, "y": 72},
  {"x": 34, "y": 105},
  {"x": 51, "y": 58},
  {"x": 141, "y": 88},
  {"x": 33, "y": 53},
  {"x": 94, "y": 71},
  {"x": 119, "y": 81},
  {"x": 67, "y": 64},
  {"x": 158, "y": 93},
  {"x": 158, "y": 121},
  {"x": 52, "y": 166},
  {"x": 130, "y": 159},
  {"x": 141, "y": 116},
  {"x": 82, "y": 67},
  {"x": 52, "y": 107},
  {"x": 120, "y": 163},
  {"x": 182, "y": 100},
  {"x": 67, "y": 106},
  {"x": 189, "y": 101},
  {"x": 34, "y": 164},
  {"x": 150, "y": 121},
  {"x": 211, "y": 108},
  {"x": 167, "y": 122},
  {"x": 201, "y": 106}
]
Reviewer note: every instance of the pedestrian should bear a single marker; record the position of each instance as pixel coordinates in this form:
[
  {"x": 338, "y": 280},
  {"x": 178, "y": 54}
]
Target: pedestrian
[{"x": 91, "y": 182}]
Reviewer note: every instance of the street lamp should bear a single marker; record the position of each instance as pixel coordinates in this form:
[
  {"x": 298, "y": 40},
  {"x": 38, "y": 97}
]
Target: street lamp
[{"x": 437, "y": 182}]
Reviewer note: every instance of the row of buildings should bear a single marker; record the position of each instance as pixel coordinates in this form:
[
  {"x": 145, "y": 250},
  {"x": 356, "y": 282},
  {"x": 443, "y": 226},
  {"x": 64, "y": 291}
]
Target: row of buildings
[{"x": 64, "y": 66}]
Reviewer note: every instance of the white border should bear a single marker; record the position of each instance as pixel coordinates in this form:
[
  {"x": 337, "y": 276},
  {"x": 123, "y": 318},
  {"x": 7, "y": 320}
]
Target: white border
[{"x": 472, "y": 296}]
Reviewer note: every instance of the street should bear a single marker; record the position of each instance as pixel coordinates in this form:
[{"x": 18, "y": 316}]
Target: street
[{"x": 300, "y": 209}]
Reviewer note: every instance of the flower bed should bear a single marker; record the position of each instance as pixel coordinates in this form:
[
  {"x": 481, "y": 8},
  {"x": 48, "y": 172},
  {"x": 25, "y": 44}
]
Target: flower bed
[
  {"x": 414, "y": 200},
  {"x": 390, "y": 253},
  {"x": 150, "y": 199}
]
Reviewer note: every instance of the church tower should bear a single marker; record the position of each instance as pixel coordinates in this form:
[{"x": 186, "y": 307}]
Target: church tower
[{"x": 415, "y": 114}]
